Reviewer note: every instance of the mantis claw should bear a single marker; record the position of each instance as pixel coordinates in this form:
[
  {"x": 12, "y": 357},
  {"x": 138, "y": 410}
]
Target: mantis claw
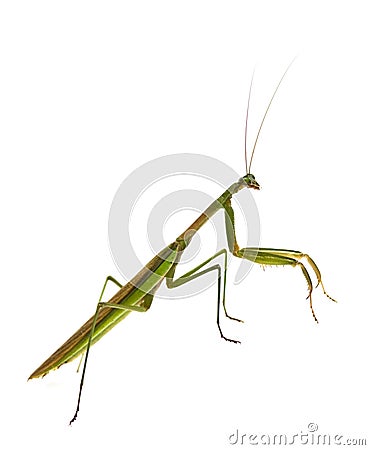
[
  {"x": 311, "y": 307},
  {"x": 230, "y": 340},
  {"x": 234, "y": 318}
]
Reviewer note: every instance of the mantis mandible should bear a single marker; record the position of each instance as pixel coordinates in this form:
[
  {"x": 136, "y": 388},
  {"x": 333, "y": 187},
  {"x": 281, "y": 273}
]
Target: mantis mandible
[{"x": 137, "y": 295}]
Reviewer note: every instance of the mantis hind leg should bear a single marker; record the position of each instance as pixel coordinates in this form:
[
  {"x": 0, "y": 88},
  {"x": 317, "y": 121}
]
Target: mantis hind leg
[
  {"x": 145, "y": 304},
  {"x": 113, "y": 280},
  {"x": 197, "y": 272}
]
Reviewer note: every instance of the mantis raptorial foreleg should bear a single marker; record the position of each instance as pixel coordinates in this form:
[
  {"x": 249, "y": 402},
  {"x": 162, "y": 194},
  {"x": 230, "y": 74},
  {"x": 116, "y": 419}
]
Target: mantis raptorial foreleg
[{"x": 271, "y": 256}]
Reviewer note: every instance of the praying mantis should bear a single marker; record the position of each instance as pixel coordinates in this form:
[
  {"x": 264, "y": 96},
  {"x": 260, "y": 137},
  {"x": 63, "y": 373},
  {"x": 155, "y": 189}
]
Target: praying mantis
[{"x": 137, "y": 295}]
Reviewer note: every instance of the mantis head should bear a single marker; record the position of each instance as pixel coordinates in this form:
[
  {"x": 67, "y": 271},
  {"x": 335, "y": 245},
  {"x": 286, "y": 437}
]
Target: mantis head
[{"x": 250, "y": 181}]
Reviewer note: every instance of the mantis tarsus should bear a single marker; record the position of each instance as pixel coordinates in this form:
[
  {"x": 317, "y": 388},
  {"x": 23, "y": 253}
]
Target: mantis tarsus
[{"x": 137, "y": 295}]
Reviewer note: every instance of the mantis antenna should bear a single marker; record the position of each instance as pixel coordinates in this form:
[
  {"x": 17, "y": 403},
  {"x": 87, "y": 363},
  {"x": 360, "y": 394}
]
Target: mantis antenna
[
  {"x": 246, "y": 125},
  {"x": 264, "y": 117}
]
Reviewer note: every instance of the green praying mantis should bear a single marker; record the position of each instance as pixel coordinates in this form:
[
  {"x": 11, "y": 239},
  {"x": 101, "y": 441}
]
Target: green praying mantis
[{"x": 137, "y": 295}]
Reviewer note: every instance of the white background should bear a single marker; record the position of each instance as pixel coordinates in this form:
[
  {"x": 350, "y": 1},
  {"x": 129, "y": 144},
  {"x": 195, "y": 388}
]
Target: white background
[{"x": 92, "y": 90}]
